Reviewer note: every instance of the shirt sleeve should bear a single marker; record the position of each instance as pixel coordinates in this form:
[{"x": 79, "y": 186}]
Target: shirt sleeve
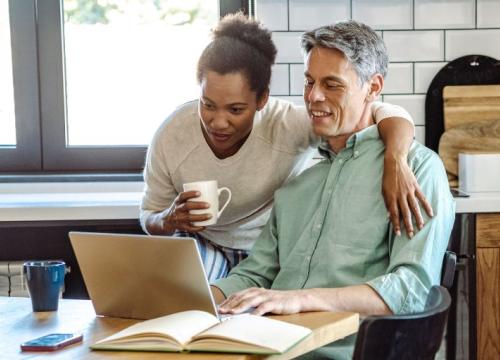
[
  {"x": 159, "y": 191},
  {"x": 383, "y": 111},
  {"x": 415, "y": 264},
  {"x": 260, "y": 268}
]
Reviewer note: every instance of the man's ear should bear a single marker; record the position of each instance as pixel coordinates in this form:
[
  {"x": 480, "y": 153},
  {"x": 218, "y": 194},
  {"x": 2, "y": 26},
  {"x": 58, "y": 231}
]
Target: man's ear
[
  {"x": 375, "y": 87},
  {"x": 262, "y": 101}
]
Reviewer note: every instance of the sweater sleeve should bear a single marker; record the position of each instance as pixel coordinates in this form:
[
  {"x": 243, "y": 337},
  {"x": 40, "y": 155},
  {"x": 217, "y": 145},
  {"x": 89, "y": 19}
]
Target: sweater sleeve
[
  {"x": 159, "y": 191},
  {"x": 381, "y": 111}
]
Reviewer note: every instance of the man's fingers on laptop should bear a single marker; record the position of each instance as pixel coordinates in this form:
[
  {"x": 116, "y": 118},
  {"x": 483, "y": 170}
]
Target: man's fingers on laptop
[
  {"x": 235, "y": 303},
  {"x": 258, "y": 301}
]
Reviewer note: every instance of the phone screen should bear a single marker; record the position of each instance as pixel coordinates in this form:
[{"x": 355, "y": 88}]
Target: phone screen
[{"x": 51, "y": 342}]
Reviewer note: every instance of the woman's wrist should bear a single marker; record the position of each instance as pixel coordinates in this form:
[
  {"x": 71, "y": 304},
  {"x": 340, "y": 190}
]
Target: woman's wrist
[
  {"x": 157, "y": 225},
  {"x": 395, "y": 156}
]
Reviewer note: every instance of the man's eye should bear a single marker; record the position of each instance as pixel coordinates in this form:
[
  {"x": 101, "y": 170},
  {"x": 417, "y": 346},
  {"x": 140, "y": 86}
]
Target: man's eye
[
  {"x": 332, "y": 86},
  {"x": 237, "y": 110},
  {"x": 207, "y": 106},
  {"x": 308, "y": 82}
]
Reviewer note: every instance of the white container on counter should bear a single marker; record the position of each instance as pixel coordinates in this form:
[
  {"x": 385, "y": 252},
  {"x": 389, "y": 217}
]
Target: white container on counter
[{"x": 479, "y": 172}]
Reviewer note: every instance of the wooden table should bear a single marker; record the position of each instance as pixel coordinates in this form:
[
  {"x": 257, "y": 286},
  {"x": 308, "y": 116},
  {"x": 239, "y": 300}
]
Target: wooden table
[{"x": 19, "y": 324}]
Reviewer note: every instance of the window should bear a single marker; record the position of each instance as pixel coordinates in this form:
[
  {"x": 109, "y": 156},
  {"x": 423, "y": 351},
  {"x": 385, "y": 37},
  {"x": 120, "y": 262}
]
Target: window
[
  {"x": 91, "y": 80},
  {"x": 8, "y": 125}
]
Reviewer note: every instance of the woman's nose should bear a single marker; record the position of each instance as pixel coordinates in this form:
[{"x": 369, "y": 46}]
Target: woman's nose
[{"x": 219, "y": 121}]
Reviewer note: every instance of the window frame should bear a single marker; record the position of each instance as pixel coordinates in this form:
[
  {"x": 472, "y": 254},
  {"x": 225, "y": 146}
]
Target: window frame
[
  {"x": 37, "y": 41},
  {"x": 26, "y": 156}
]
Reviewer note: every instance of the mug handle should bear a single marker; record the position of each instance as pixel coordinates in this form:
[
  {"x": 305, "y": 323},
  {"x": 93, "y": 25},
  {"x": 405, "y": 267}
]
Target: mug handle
[{"x": 227, "y": 201}]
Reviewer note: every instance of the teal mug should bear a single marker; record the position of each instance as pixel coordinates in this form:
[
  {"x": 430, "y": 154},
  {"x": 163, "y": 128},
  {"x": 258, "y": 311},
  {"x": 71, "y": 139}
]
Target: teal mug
[{"x": 45, "y": 280}]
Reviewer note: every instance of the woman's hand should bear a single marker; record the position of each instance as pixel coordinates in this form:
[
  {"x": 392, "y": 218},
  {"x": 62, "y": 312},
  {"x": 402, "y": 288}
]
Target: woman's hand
[
  {"x": 402, "y": 195},
  {"x": 178, "y": 216}
]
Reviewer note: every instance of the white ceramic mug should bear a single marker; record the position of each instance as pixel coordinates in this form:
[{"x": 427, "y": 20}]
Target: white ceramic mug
[{"x": 210, "y": 193}]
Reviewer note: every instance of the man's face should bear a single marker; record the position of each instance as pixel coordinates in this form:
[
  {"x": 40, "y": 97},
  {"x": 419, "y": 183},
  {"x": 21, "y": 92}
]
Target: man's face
[{"x": 334, "y": 99}]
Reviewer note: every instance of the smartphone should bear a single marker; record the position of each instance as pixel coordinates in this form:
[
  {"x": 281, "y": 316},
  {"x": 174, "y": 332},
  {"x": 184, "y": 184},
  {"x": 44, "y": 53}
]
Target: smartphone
[{"x": 51, "y": 342}]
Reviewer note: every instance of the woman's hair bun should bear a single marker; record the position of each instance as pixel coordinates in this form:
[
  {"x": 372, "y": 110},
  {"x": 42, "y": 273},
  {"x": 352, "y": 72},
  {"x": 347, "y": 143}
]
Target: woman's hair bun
[{"x": 249, "y": 31}]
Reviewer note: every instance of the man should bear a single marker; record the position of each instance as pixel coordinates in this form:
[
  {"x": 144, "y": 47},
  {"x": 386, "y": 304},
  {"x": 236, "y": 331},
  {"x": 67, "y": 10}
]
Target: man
[{"x": 329, "y": 244}]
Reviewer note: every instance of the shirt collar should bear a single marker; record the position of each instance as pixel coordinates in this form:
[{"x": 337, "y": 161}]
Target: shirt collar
[{"x": 354, "y": 144}]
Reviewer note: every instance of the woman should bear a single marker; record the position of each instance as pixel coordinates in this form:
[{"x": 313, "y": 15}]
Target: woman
[{"x": 250, "y": 143}]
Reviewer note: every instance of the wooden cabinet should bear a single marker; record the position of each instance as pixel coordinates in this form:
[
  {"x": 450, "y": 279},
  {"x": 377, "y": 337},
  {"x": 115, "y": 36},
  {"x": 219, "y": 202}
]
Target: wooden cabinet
[{"x": 488, "y": 285}]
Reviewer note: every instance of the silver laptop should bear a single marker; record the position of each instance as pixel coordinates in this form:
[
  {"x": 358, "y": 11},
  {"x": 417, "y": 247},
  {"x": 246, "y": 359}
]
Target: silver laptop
[{"x": 140, "y": 276}]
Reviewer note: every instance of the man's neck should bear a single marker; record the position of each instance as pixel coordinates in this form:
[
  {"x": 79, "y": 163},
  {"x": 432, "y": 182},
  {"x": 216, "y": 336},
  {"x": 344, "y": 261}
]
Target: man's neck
[{"x": 337, "y": 143}]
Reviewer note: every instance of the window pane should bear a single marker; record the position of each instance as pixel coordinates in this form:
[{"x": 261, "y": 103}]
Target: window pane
[
  {"x": 7, "y": 115},
  {"x": 129, "y": 64}
]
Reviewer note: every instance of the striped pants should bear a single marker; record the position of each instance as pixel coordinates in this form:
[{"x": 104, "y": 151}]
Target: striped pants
[{"x": 217, "y": 260}]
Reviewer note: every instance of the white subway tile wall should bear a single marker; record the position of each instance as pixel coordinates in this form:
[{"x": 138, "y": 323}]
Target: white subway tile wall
[
  {"x": 415, "y": 45},
  {"x": 466, "y": 42},
  {"x": 273, "y": 13},
  {"x": 288, "y": 45},
  {"x": 414, "y": 104},
  {"x": 280, "y": 79},
  {"x": 421, "y": 37},
  {"x": 445, "y": 14},
  {"x": 424, "y": 73},
  {"x": 420, "y": 134},
  {"x": 306, "y": 14},
  {"x": 399, "y": 79},
  {"x": 488, "y": 13},
  {"x": 387, "y": 14},
  {"x": 296, "y": 79}
]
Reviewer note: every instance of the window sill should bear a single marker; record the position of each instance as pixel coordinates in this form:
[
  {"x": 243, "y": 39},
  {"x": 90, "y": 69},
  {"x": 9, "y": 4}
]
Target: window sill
[{"x": 70, "y": 201}]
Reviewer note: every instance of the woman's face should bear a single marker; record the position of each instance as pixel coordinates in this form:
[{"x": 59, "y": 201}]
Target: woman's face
[{"x": 227, "y": 107}]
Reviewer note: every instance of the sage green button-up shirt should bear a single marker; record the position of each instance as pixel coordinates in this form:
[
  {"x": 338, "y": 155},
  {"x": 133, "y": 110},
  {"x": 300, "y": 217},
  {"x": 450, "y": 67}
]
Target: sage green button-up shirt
[{"x": 329, "y": 228}]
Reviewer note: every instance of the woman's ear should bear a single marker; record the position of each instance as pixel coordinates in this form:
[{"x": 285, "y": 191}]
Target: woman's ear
[
  {"x": 375, "y": 87},
  {"x": 262, "y": 101}
]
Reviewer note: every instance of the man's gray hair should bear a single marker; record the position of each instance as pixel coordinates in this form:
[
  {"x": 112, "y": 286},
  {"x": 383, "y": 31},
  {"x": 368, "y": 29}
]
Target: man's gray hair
[{"x": 362, "y": 46}]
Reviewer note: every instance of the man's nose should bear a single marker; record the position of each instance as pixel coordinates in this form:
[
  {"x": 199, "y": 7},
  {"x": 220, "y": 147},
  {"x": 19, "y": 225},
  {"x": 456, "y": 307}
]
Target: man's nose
[{"x": 316, "y": 94}]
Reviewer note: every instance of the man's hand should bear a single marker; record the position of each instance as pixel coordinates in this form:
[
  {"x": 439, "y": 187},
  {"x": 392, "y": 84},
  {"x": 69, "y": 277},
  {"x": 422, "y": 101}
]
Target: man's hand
[
  {"x": 218, "y": 295},
  {"x": 401, "y": 195},
  {"x": 264, "y": 301}
]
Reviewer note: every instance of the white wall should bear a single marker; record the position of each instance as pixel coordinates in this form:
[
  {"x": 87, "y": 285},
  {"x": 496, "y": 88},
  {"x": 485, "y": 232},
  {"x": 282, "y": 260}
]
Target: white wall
[{"x": 421, "y": 37}]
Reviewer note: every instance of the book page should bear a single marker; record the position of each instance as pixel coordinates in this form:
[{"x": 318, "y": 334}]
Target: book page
[
  {"x": 262, "y": 332},
  {"x": 180, "y": 326}
]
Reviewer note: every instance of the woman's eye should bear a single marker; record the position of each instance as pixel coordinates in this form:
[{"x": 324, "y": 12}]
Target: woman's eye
[{"x": 237, "y": 110}]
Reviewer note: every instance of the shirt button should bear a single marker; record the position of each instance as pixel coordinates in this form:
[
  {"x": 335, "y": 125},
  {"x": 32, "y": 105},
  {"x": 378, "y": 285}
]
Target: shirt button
[
  {"x": 356, "y": 153},
  {"x": 340, "y": 161},
  {"x": 318, "y": 227}
]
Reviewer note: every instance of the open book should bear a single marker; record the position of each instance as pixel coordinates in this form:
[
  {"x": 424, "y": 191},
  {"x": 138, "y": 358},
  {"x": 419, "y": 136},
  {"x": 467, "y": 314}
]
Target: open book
[{"x": 200, "y": 331}]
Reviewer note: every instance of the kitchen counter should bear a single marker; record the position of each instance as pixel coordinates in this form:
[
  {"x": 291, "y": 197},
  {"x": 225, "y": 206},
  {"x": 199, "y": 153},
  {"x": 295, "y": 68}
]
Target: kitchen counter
[
  {"x": 70, "y": 201},
  {"x": 479, "y": 203}
]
